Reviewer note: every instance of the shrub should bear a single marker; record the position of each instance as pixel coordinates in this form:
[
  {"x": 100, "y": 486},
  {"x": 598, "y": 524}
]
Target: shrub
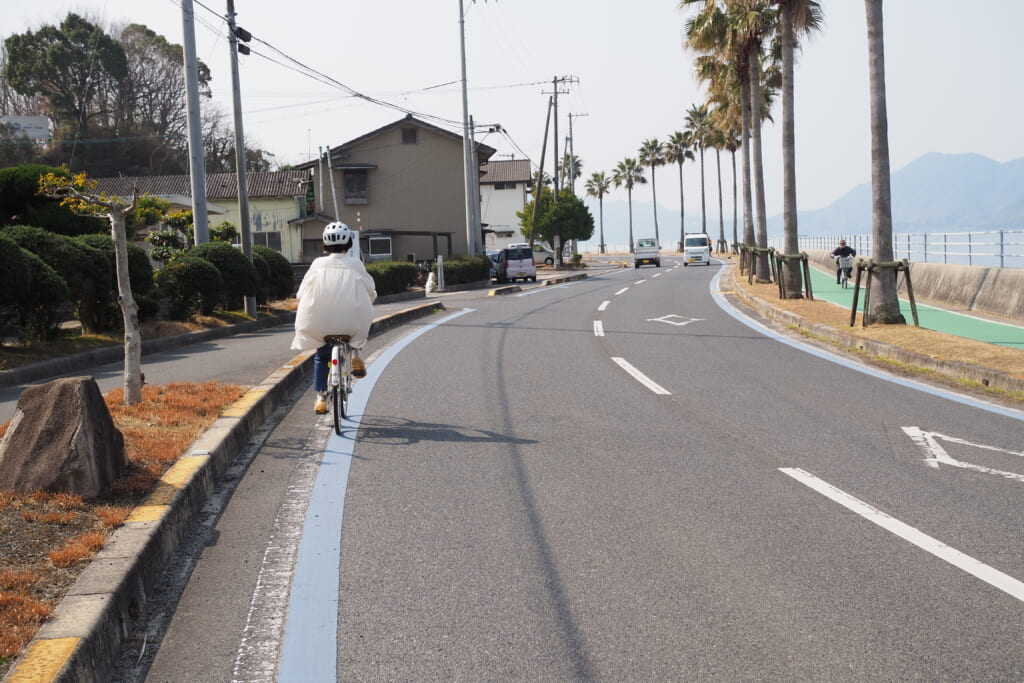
[
  {"x": 19, "y": 197},
  {"x": 391, "y": 277},
  {"x": 282, "y": 276},
  {"x": 463, "y": 269},
  {"x": 39, "y": 311},
  {"x": 263, "y": 275},
  {"x": 166, "y": 244},
  {"x": 140, "y": 270},
  {"x": 149, "y": 308},
  {"x": 239, "y": 276},
  {"x": 192, "y": 285},
  {"x": 86, "y": 270}
]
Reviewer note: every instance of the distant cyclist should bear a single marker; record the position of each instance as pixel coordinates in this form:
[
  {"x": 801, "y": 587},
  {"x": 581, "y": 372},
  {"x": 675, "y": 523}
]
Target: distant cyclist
[
  {"x": 843, "y": 251},
  {"x": 335, "y": 298}
]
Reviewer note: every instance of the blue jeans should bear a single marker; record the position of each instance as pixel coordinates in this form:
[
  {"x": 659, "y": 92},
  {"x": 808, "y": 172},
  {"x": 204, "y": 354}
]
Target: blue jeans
[{"x": 321, "y": 364}]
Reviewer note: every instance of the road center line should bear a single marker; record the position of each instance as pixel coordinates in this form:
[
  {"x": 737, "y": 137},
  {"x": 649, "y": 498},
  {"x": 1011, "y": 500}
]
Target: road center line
[
  {"x": 639, "y": 282},
  {"x": 622, "y": 291},
  {"x": 989, "y": 575},
  {"x": 603, "y": 305},
  {"x": 598, "y": 328},
  {"x": 641, "y": 377}
]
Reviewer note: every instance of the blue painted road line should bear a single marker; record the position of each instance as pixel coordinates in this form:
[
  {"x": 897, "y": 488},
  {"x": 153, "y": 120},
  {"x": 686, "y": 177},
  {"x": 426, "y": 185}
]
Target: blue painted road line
[{"x": 310, "y": 650}]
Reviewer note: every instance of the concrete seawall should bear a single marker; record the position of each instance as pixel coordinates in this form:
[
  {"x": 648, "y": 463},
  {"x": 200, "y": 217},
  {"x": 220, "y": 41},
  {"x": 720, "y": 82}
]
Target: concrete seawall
[{"x": 986, "y": 289}]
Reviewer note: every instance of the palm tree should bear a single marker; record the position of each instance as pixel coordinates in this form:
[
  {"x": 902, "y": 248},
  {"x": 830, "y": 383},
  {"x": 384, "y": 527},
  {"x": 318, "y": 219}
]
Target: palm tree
[
  {"x": 572, "y": 168},
  {"x": 629, "y": 173},
  {"x": 716, "y": 141},
  {"x": 795, "y": 16},
  {"x": 678, "y": 149},
  {"x": 697, "y": 126},
  {"x": 597, "y": 186},
  {"x": 885, "y": 308},
  {"x": 652, "y": 153}
]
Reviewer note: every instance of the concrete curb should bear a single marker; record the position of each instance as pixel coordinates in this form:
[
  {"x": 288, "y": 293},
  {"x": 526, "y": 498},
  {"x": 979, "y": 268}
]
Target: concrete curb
[
  {"x": 987, "y": 377},
  {"x": 111, "y": 354},
  {"x": 500, "y": 291},
  {"x": 82, "y": 639},
  {"x": 562, "y": 279}
]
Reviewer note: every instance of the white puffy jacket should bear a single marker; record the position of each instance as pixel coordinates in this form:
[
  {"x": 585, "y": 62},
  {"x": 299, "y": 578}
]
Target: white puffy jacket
[{"x": 336, "y": 297}]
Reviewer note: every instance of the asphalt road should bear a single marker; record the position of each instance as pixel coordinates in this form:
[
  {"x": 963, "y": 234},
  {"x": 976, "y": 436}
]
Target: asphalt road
[{"x": 613, "y": 479}]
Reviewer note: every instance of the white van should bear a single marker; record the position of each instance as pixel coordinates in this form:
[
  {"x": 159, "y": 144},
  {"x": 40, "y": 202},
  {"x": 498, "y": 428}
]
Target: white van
[
  {"x": 696, "y": 248},
  {"x": 647, "y": 251}
]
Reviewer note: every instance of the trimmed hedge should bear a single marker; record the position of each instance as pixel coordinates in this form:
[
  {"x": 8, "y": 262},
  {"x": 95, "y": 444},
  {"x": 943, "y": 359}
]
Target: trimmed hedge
[
  {"x": 263, "y": 275},
  {"x": 86, "y": 270},
  {"x": 193, "y": 285},
  {"x": 464, "y": 269},
  {"x": 140, "y": 269},
  {"x": 392, "y": 277},
  {"x": 39, "y": 312},
  {"x": 239, "y": 275},
  {"x": 282, "y": 276}
]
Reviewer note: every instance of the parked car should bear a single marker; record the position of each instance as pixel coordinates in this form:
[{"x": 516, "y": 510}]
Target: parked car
[
  {"x": 514, "y": 263},
  {"x": 493, "y": 257},
  {"x": 541, "y": 254}
]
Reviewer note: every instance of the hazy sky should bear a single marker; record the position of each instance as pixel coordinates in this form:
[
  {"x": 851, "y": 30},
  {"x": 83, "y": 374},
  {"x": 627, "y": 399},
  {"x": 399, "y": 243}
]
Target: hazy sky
[{"x": 952, "y": 77}]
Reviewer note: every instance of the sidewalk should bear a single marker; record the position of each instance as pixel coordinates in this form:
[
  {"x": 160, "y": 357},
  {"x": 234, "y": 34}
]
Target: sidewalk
[{"x": 931, "y": 317}]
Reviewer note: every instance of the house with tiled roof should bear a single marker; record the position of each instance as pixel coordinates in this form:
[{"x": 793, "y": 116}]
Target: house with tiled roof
[
  {"x": 275, "y": 199},
  {"x": 402, "y": 186},
  {"x": 505, "y": 186}
]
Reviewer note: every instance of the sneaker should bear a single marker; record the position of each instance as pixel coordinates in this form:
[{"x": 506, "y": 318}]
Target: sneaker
[
  {"x": 358, "y": 367},
  {"x": 320, "y": 407}
]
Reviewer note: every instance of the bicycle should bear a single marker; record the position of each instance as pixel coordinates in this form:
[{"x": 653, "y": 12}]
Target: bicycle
[
  {"x": 845, "y": 266},
  {"x": 339, "y": 377}
]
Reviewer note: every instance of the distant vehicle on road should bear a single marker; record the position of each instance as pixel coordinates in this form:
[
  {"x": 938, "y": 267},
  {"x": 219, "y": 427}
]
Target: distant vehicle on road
[
  {"x": 492, "y": 256},
  {"x": 514, "y": 263},
  {"x": 647, "y": 251},
  {"x": 696, "y": 249},
  {"x": 541, "y": 254}
]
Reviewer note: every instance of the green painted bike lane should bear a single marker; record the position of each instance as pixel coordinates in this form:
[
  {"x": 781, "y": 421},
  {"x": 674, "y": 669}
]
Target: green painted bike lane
[{"x": 950, "y": 322}]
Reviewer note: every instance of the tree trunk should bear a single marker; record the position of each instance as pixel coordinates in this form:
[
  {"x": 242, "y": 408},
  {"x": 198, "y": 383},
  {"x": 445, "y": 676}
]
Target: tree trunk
[
  {"x": 748, "y": 212},
  {"x": 600, "y": 206},
  {"x": 129, "y": 310},
  {"x": 735, "y": 199},
  {"x": 654, "y": 196},
  {"x": 682, "y": 209},
  {"x": 703, "y": 204},
  {"x": 885, "y": 304},
  {"x": 721, "y": 205},
  {"x": 629, "y": 196},
  {"x": 791, "y": 237},
  {"x": 757, "y": 172}
]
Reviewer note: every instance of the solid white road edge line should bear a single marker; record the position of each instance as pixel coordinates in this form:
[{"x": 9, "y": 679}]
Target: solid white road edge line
[
  {"x": 310, "y": 649},
  {"x": 641, "y": 377},
  {"x": 989, "y": 575}
]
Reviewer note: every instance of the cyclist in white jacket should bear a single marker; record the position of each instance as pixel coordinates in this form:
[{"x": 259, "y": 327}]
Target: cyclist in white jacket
[{"x": 335, "y": 298}]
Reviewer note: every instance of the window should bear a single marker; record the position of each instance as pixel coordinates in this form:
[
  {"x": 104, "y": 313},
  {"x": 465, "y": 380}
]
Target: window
[
  {"x": 504, "y": 186},
  {"x": 267, "y": 239},
  {"x": 356, "y": 186},
  {"x": 379, "y": 247},
  {"x": 410, "y": 136}
]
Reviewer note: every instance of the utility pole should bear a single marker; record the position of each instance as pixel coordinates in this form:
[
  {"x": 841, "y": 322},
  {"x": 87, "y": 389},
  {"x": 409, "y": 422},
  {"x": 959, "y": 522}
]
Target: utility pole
[
  {"x": 572, "y": 154},
  {"x": 540, "y": 177},
  {"x": 196, "y": 162},
  {"x": 472, "y": 222},
  {"x": 234, "y": 33},
  {"x": 555, "y": 82}
]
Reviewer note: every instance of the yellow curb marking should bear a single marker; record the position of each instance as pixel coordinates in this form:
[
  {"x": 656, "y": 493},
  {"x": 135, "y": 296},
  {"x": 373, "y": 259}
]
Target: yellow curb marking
[
  {"x": 43, "y": 660},
  {"x": 173, "y": 481},
  {"x": 240, "y": 407}
]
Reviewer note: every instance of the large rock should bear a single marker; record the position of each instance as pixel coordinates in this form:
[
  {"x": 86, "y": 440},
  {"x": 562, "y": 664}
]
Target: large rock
[{"x": 62, "y": 438}]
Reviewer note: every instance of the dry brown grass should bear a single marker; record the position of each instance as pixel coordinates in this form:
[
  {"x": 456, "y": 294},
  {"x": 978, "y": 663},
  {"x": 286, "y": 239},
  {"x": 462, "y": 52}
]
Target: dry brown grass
[
  {"x": 920, "y": 340},
  {"x": 46, "y": 539}
]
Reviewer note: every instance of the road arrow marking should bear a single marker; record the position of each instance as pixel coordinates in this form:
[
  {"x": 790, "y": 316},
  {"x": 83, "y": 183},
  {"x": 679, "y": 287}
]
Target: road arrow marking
[{"x": 936, "y": 455}]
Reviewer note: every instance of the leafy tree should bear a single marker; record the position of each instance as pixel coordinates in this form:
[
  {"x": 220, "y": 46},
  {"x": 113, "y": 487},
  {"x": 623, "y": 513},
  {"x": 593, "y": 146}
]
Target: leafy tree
[
  {"x": 629, "y": 174},
  {"x": 652, "y": 153},
  {"x": 79, "y": 193},
  {"x": 225, "y": 231},
  {"x": 678, "y": 149},
  {"x": 166, "y": 245},
  {"x": 71, "y": 66},
  {"x": 21, "y": 204},
  {"x": 597, "y": 186},
  {"x": 698, "y": 127},
  {"x": 16, "y": 149},
  {"x": 566, "y": 219},
  {"x": 148, "y": 211}
]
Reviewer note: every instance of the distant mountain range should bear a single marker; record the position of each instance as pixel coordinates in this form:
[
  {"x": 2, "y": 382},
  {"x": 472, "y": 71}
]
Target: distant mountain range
[{"x": 935, "y": 193}]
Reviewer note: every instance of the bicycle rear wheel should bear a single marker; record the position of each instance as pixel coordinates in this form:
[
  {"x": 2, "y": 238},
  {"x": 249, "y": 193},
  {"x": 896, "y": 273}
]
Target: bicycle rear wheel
[{"x": 338, "y": 405}]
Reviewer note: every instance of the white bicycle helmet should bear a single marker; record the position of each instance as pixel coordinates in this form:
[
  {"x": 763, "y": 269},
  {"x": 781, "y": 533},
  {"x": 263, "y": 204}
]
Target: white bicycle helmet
[{"x": 337, "y": 233}]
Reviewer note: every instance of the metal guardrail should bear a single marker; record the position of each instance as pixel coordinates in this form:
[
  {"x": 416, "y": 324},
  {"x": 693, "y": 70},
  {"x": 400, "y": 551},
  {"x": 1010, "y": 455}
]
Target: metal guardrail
[{"x": 1002, "y": 248}]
